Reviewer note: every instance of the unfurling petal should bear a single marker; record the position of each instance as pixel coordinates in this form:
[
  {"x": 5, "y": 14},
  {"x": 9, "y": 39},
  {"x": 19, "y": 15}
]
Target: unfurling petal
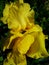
[{"x": 37, "y": 49}]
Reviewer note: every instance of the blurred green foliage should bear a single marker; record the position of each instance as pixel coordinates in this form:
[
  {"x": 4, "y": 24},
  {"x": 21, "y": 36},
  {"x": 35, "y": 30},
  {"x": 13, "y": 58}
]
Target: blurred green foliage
[{"x": 41, "y": 8}]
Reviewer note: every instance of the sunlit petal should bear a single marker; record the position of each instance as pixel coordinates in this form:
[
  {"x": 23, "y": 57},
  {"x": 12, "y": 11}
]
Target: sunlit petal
[
  {"x": 24, "y": 45},
  {"x": 37, "y": 49}
]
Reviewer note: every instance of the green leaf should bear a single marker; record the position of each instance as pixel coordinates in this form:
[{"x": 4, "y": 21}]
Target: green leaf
[{"x": 1, "y": 58}]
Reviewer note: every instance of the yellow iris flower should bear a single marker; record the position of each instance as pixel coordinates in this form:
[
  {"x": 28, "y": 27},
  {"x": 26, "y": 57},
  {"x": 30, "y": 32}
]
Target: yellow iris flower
[{"x": 19, "y": 17}]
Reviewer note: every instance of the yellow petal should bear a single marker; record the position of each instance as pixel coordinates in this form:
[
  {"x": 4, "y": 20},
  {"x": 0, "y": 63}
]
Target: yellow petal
[
  {"x": 12, "y": 24},
  {"x": 35, "y": 28},
  {"x": 41, "y": 40},
  {"x": 16, "y": 35},
  {"x": 5, "y": 14},
  {"x": 9, "y": 62},
  {"x": 33, "y": 49},
  {"x": 24, "y": 9},
  {"x": 6, "y": 10},
  {"x": 20, "y": 1},
  {"x": 15, "y": 59},
  {"x": 23, "y": 22},
  {"x": 24, "y": 44},
  {"x": 37, "y": 49},
  {"x": 19, "y": 59}
]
